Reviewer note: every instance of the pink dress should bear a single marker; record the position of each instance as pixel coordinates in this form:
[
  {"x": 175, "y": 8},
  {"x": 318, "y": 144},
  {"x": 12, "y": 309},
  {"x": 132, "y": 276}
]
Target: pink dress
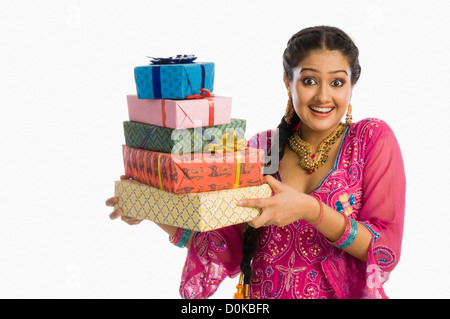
[{"x": 295, "y": 261}]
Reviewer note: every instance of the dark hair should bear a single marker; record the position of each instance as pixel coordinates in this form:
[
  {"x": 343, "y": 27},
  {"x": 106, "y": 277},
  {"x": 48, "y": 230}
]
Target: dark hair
[
  {"x": 320, "y": 38},
  {"x": 298, "y": 47}
]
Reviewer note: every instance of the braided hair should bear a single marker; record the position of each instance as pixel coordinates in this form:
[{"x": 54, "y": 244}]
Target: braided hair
[{"x": 298, "y": 47}]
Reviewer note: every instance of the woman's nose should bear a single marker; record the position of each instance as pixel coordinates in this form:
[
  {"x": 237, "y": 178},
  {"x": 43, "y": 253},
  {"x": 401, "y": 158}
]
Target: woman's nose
[{"x": 322, "y": 94}]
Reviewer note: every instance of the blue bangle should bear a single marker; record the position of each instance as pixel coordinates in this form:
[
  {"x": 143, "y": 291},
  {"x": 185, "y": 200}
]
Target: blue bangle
[
  {"x": 351, "y": 236},
  {"x": 184, "y": 238}
]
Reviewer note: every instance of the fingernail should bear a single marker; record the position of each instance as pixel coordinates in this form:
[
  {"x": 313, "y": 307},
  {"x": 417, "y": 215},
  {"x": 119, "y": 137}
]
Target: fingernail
[{"x": 239, "y": 202}]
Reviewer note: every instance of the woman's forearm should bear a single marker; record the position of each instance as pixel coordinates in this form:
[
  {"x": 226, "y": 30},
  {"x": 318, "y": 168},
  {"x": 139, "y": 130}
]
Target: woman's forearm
[{"x": 332, "y": 226}]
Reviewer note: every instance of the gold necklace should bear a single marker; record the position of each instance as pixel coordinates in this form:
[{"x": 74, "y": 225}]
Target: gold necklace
[{"x": 309, "y": 161}]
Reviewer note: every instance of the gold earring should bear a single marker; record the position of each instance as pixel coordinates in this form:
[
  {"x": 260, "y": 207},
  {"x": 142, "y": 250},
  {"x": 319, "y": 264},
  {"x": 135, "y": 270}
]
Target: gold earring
[
  {"x": 289, "y": 110},
  {"x": 348, "y": 117}
]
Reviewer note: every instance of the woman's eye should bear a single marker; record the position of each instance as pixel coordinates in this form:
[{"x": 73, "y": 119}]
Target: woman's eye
[
  {"x": 309, "y": 81},
  {"x": 337, "y": 83}
]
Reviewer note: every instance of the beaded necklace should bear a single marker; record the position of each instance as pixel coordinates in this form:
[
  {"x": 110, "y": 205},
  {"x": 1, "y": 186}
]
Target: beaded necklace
[{"x": 309, "y": 161}]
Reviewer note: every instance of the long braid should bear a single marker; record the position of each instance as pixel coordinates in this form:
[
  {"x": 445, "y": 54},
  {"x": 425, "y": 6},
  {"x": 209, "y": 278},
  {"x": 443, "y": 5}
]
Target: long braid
[{"x": 251, "y": 235}]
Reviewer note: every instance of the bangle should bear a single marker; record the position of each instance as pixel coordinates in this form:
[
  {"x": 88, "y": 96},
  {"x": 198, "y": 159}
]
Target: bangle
[
  {"x": 181, "y": 237},
  {"x": 349, "y": 236},
  {"x": 348, "y": 225},
  {"x": 184, "y": 238},
  {"x": 321, "y": 212},
  {"x": 176, "y": 238}
]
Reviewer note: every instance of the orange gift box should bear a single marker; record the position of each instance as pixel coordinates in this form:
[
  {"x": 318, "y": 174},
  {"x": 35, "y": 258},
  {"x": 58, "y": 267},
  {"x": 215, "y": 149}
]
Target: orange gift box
[{"x": 194, "y": 172}]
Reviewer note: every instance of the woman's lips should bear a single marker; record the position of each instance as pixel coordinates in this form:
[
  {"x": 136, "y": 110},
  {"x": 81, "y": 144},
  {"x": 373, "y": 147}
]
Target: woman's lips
[{"x": 321, "y": 110}]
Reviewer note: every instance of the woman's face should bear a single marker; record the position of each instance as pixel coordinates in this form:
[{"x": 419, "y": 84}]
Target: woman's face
[{"x": 321, "y": 90}]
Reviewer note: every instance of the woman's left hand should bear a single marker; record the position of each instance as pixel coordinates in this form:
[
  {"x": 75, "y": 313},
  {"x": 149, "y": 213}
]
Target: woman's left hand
[{"x": 285, "y": 207}]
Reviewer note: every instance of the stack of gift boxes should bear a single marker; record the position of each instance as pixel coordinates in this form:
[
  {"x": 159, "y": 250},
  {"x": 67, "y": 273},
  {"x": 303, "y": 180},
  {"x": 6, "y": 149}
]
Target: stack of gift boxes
[{"x": 186, "y": 157}]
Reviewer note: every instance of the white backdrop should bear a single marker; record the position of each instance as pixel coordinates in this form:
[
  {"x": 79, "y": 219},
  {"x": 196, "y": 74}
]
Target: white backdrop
[{"x": 66, "y": 67}]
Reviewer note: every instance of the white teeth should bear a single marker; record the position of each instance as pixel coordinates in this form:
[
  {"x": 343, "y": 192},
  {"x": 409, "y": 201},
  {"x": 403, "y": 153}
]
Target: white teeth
[{"x": 321, "y": 109}]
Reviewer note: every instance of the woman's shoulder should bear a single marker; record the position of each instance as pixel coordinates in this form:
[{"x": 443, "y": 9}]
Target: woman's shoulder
[
  {"x": 371, "y": 128},
  {"x": 372, "y": 133},
  {"x": 262, "y": 140}
]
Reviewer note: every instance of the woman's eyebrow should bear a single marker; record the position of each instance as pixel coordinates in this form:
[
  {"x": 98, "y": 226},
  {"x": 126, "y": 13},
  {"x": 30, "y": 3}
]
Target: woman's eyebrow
[
  {"x": 314, "y": 70},
  {"x": 337, "y": 71}
]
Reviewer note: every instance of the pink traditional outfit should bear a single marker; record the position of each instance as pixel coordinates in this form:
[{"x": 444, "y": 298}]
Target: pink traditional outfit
[{"x": 367, "y": 184}]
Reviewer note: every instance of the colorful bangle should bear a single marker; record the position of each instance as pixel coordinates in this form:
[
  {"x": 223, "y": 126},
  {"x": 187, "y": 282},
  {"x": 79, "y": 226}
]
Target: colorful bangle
[
  {"x": 321, "y": 212},
  {"x": 184, "y": 238},
  {"x": 176, "y": 238},
  {"x": 181, "y": 237},
  {"x": 348, "y": 225},
  {"x": 349, "y": 236}
]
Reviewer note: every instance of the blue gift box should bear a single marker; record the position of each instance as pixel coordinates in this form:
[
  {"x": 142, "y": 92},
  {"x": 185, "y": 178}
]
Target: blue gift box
[{"x": 173, "y": 81}]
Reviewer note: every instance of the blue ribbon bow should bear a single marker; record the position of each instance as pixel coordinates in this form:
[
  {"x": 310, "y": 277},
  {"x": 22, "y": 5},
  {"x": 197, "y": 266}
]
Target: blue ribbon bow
[{"x": 179, "y": 59}]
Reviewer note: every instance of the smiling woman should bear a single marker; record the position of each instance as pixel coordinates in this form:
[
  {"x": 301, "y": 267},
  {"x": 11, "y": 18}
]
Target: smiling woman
[
  {"x": 333, "y": 227},
  {"x": 320, "y": 98}
]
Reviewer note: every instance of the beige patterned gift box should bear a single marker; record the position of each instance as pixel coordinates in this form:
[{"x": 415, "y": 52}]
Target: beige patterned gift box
[{"x": 197, "y": 211}]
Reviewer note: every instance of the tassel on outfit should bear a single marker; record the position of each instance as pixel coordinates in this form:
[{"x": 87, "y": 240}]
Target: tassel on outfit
[{"x": 242, "y": 290}]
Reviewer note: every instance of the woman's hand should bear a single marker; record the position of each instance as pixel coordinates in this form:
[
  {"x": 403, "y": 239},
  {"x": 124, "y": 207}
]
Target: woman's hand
[
  {"x": 118, "y": 212},
  {"x": 285, "y": 207}
]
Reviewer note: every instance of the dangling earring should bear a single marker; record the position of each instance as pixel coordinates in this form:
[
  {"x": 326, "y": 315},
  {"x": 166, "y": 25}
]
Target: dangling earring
[
  {"x": 289, "y": 110},
  {"x": 348, "y": 117}
]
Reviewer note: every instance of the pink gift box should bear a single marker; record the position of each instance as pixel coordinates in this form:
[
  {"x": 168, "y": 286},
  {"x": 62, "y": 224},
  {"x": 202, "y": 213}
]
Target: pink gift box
[{"x": 180, "y": 114}]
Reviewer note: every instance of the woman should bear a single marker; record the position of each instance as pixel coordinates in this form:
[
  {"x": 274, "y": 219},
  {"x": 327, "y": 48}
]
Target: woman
[{"x": 333, "y": 227}]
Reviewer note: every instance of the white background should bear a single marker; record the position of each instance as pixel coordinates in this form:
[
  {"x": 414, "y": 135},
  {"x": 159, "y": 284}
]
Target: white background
[{"x": 66, "y": 67}]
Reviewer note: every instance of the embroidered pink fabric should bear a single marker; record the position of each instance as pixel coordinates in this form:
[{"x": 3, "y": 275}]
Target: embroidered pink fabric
[{"x": 295, "y": 261}]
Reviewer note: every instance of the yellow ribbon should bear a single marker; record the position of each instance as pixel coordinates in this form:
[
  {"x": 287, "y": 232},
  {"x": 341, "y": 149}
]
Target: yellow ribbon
[
  {"x": 237, "y": 178},
  {"x": 230, "y": 143},
  {"x": 159, "y": 172}
]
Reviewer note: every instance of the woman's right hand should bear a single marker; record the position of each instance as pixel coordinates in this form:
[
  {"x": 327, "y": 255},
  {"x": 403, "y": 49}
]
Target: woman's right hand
[{"x": 111, "y": 202}]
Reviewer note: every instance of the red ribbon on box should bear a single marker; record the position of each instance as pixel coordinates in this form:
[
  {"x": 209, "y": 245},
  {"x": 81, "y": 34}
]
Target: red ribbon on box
[
  {"x": 163, "y": 112},
  {"x": 204, "y": 93},
  {"x": 211, "y": 112}
]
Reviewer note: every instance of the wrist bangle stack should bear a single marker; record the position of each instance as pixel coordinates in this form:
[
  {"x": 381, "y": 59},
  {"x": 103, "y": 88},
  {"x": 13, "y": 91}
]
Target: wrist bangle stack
[
  {"x": 181, "y": 237},
  {"x": 349, "y": 236}
]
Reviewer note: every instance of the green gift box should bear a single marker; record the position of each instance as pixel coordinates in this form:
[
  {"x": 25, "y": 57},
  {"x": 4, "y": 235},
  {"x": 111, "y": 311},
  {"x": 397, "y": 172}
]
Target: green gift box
[{"x": 178, "y": 141}]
